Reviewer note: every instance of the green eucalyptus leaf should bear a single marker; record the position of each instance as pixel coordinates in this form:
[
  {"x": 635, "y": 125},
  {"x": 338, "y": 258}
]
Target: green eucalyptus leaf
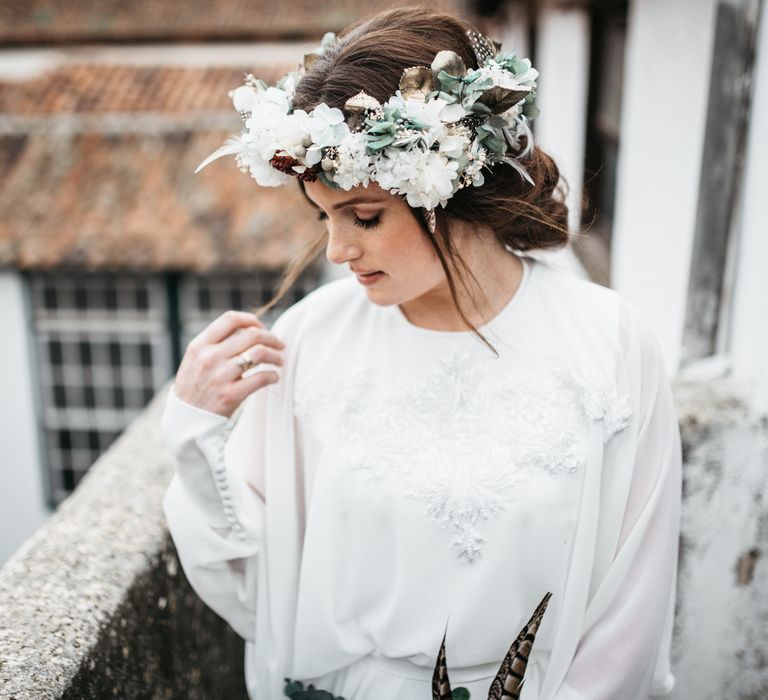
[
  {"x": 460, "y": 693},
  {"x": 492, "y": 143},
  {"x": 448, "y": 81},
  {"x": 292, "y": 687},
  {"x": 531, "y": 111},
  {"x": 320, "y": 695},
  {"x": 380, "y": 142},
  {"x": 382, "y": 128}
]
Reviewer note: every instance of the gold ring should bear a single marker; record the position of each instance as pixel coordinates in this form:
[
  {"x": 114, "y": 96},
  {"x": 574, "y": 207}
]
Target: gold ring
[{"x": 245, "y": 362}]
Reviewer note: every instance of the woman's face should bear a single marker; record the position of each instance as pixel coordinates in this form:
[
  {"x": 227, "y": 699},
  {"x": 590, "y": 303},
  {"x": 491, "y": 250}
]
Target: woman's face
[{"x": 376, "y": 235}]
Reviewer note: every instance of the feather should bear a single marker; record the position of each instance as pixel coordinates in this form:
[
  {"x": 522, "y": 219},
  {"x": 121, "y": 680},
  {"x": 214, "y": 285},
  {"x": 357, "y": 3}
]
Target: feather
[
  {"x": 483, "y": 47},
  {"x": 509, "y": 679},
  {"x": 441, "y": 686},
  {"x": 232, "y": 146},
  {"x": 517, "y": 165},
  {"x": 524, "y": 130}
]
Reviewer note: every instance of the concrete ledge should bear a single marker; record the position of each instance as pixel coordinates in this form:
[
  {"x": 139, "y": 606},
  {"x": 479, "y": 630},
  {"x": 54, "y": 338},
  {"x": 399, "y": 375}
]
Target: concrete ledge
[{"x": 94, "y": 604}]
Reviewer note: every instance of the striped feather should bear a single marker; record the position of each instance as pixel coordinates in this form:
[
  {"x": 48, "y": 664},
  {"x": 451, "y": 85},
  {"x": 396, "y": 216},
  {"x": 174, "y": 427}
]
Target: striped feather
[
  {"x": 441, "y": 686},
  {"x": 509, "y": 679}
]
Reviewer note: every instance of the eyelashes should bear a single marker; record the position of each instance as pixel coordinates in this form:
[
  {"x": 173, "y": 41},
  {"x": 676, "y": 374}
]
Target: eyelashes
[
  {"x": 367, "y": 223},
  {"x": 362, "y": 223}
]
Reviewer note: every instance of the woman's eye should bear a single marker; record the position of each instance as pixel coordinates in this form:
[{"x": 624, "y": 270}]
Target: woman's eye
[
  {"x": 362, "y": 223},
  {"x": 367, "y": 223}
]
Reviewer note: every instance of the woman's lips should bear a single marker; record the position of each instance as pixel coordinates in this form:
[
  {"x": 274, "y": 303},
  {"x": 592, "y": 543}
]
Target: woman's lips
[{"x": 369, "y": 277}]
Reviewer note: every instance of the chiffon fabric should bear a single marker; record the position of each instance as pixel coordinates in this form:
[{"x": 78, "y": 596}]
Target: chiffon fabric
[{"x": 399, "y": 483}]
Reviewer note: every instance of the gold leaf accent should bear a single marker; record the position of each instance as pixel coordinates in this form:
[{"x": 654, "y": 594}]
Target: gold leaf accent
[
  {"x": 356, "y": 108},
  {"x": 417, "y": 81},
  {"x": 450, "y": 62},
  {"x": 500, "y": 99},
  {"x": 361, "y": 102}
]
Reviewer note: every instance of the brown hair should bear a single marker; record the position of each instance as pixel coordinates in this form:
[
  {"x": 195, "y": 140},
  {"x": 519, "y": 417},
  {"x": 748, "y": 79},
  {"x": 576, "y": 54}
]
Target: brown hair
[{"x": 371, "y": 55}]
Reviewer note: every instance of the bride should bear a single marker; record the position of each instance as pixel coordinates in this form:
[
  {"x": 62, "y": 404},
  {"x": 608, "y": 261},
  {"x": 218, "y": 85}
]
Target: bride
[{"x": 431, "y": 444}]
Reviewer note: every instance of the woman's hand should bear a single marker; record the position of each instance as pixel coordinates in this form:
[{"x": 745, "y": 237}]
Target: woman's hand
[{"x": 209, "y": 376}]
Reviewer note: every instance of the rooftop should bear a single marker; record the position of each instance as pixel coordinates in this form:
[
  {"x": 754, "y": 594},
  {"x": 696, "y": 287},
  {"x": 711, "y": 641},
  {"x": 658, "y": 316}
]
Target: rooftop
[
  {"x": 97, "y": 172},
  {"x": 79, "y": 21}
]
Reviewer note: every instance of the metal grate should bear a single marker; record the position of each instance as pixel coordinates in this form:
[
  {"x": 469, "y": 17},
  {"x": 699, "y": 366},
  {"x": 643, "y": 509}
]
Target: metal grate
[
  {"x": 105, "y": 348},
  {"x": 203, "y": 298},
  {"x": 104, "y": 351}
]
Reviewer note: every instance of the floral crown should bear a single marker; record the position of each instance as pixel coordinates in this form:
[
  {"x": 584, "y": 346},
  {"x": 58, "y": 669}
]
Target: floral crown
[{"x": 444, "y": 124}]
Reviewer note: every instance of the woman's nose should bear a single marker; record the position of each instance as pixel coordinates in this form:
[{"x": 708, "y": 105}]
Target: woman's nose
[{"x": 341, "y": 247}]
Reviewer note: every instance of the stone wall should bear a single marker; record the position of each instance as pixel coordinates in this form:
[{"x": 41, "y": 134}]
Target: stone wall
[
  {"x": 95, "y": 604},
  {"x": 720, "y": 646}
]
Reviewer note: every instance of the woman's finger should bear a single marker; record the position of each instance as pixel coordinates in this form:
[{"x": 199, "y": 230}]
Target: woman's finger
[
  {"x": 223, "y": 326},
  {"x": 260, "y": 354},
  {"x": 252, "y": 382},
  {"x": 244, "y": 338}
]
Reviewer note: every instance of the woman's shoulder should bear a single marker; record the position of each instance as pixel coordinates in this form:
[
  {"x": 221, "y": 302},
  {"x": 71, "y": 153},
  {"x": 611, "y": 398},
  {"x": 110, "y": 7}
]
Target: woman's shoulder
[
  {"x": 573, "y": 288},
  {"x": 321, "y": 306},
  {"x": 595, "y": 316}
]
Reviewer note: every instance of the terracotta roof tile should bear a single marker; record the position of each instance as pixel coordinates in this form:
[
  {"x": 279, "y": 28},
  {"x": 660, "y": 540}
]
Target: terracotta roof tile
[
  {"x": 100, "y": 89},
  {"x": 54, "y": 21},
  {"x": 132, "y": 201}
]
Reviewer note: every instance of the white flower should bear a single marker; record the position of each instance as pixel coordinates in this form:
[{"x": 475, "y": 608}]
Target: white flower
[
  {"x": 291, "y": 134},
  {"x": 501, "y": 77},
  {"x": 353, "y": 162},
  {"x": 453, "y": 146},
  {"x": 244, "y": 98},
  {"x": 452, "y": 113},
  {"x": 277, "y": 97},
  {"x": 478, "y": 160},
  {"x": 266, "y": 175},
  {"x": 426, "y": 178},
  {"x": 288, "y": 85},
  {"x": 327, "y": 127},
  {"x": 428, "y": 115}
]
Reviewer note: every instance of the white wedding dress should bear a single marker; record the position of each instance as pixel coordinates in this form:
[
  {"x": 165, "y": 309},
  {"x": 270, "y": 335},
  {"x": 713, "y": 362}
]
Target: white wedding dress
[{"x": 414, "y": 482}]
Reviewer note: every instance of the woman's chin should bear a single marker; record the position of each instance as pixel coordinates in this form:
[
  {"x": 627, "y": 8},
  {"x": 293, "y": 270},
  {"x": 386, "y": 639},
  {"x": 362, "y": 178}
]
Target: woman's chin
[{"x": 376, "y": 296}]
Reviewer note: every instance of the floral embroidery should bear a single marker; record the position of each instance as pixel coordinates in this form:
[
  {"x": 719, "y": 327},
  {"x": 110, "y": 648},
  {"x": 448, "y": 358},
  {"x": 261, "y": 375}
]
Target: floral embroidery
[
  {"x": 597, "y": 403},
  {"x": 460, "y": 441}
]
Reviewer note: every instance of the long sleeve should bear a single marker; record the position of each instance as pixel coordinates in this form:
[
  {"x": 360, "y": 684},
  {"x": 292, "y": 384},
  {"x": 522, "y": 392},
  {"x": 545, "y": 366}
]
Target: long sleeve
[
  {"x": 624, "y": 650},
  {"x": 213, "y": 507}
]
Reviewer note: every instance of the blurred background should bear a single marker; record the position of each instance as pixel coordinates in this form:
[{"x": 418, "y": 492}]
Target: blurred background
[{"x": 113, "y": 254}]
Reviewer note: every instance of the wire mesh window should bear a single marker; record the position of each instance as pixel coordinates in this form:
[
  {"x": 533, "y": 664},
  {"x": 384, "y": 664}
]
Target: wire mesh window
[
  {"x": 105, "y": 347},
  {"x": 203, "y": 297},
  {"x": 103, "y": 350}
]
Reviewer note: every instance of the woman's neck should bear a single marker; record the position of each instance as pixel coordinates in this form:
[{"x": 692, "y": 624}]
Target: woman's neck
[{"x": 498, "y": 274}]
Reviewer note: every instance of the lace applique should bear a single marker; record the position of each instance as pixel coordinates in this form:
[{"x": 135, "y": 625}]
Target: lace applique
[
  {"x": 596, "y": 402},
  {"x": 459, "y": 441}
]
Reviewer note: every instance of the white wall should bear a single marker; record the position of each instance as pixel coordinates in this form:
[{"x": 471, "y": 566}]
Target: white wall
[
  {"x": 562, "y": 59},
  {"x": 667, "y": 71},
  {"x": 748, "y": 346},
  {"x": 22, "y": 506}
]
